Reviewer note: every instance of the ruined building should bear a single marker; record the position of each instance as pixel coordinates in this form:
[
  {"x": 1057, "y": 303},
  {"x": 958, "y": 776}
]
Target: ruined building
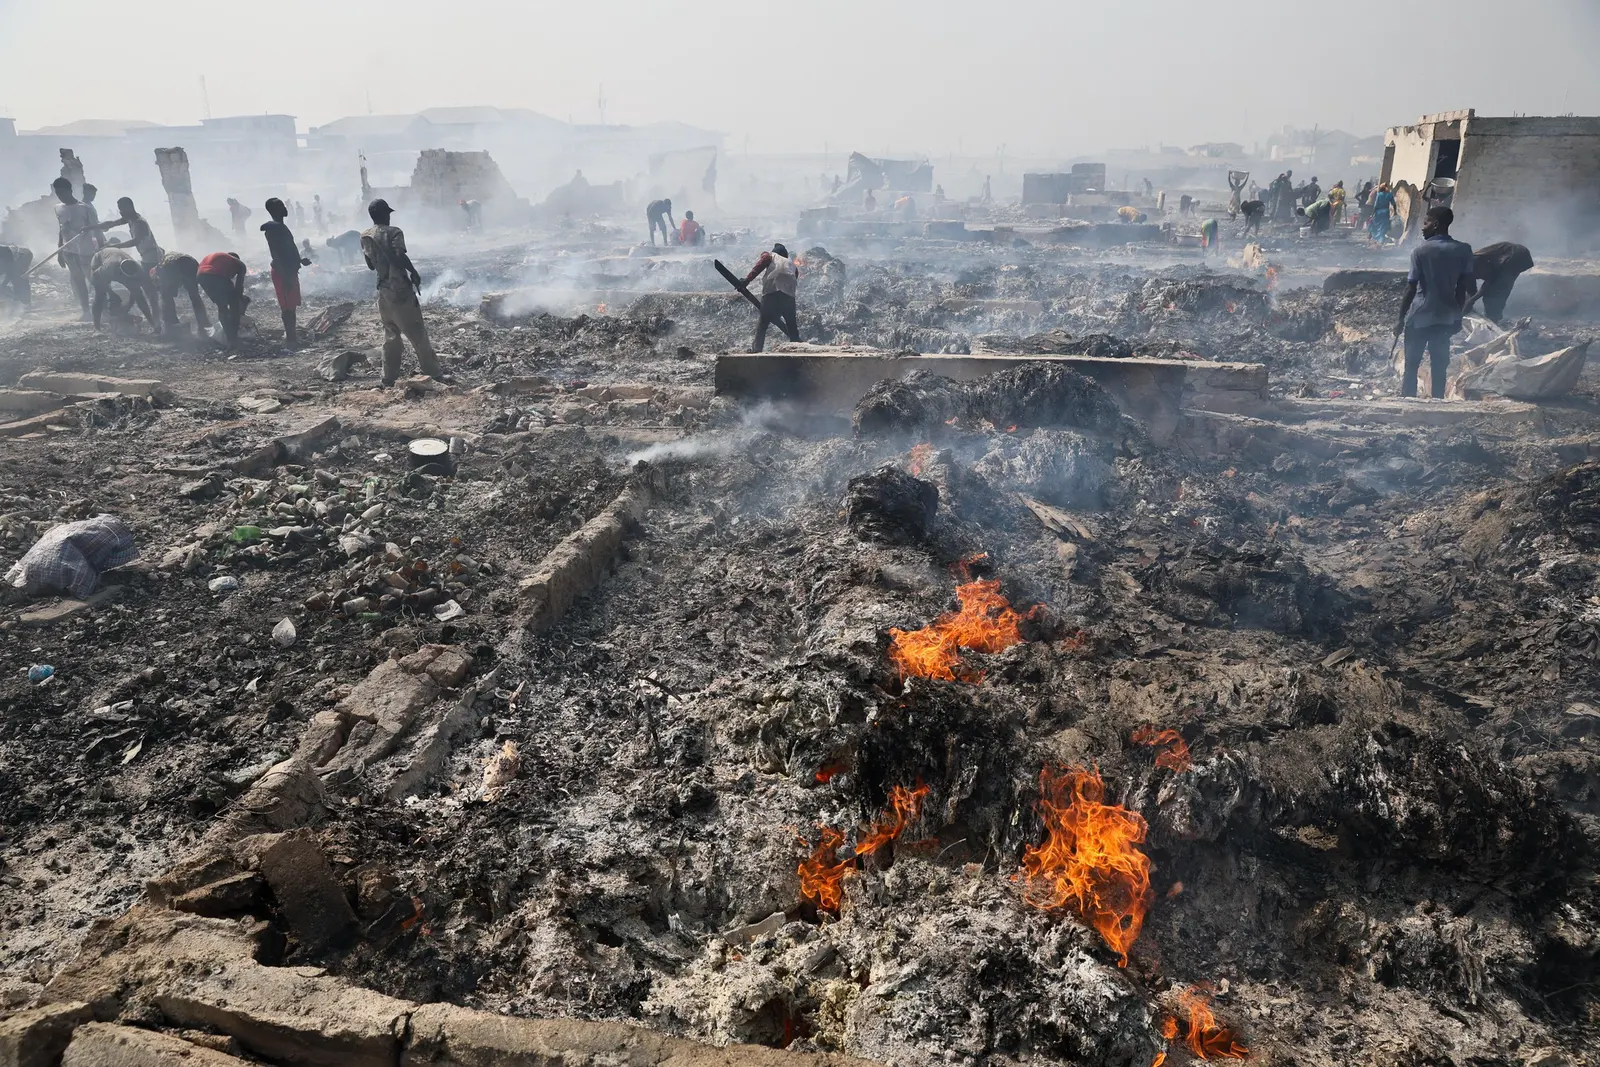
[{"x": 1526, "y": 179}]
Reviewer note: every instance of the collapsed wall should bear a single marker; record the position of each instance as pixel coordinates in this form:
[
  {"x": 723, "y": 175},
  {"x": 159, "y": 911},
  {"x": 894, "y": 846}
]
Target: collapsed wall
[{"x": 443, "y": 179}]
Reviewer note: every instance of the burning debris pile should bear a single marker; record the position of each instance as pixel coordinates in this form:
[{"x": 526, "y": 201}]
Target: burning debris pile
[{"x": 999, "y": 730}]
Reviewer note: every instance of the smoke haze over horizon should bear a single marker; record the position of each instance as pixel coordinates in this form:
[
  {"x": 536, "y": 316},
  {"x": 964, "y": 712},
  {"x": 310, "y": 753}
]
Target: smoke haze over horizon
[{"x": 890, "y": 76}]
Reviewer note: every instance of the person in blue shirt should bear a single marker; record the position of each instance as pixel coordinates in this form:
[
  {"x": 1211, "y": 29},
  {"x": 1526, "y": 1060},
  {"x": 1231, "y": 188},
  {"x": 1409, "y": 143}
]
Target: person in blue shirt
[{"x": 1442, "y": 276}]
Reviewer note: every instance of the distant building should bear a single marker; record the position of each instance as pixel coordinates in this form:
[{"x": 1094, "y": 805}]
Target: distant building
[
  {"x": 1526, "y": 179},
  {"x": 1218, "y": 150}
]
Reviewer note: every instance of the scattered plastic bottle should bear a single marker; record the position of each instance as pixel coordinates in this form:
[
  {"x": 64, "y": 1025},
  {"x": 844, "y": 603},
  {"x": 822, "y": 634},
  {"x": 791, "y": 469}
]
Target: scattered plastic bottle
[
  {"x": 41, "y": 672},
  {"x": 244, "y": 535}
]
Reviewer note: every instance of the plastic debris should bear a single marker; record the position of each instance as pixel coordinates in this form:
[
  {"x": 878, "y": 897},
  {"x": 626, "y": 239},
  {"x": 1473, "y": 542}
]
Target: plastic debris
[{"x": 70, "y": 557}]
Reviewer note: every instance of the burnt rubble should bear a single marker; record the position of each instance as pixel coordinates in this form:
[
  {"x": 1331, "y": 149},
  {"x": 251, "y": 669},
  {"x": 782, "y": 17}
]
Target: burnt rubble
[{"x": 560, "y": 718}]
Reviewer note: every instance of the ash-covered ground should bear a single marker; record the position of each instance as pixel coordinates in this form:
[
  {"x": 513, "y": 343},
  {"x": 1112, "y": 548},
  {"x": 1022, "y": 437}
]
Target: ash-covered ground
[{"x": 1379, "y": 647}]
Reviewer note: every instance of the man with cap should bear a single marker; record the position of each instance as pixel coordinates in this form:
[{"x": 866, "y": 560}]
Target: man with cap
[
  {"x": 780, "y": 279},
  {"x": 286, "y": 264},
  {"x": 384, "y": 247}
]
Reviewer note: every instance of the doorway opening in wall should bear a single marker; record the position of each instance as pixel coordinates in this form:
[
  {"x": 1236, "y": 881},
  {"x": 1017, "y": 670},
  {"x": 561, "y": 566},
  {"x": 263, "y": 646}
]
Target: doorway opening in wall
[{"x": 1449, "y": 155}]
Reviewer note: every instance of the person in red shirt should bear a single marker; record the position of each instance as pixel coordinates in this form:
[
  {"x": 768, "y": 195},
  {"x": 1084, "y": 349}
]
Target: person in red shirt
[
  {"x": 690, "y": 232},
  {"x": 221, "y": 275}
]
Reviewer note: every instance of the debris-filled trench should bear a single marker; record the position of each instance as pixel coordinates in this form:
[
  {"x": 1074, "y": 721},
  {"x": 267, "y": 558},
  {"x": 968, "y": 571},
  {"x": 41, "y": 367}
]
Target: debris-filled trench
[{"x": 984, "y": 721}]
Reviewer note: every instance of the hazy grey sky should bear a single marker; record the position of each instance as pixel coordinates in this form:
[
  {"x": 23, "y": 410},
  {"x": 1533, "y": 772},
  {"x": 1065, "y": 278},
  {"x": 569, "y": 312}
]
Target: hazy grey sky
[{"x": 1045, "y": 77}]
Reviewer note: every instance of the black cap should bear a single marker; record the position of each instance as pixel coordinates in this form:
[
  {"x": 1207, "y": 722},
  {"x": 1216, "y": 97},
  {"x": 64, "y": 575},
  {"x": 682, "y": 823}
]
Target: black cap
[
  {"x": 782, "y": 251},
  {"x": 378, "y": 207}
]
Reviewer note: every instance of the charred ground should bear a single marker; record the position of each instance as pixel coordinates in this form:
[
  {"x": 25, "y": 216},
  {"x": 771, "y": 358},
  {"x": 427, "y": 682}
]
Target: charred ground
[{"x": 1381, "y": 650}]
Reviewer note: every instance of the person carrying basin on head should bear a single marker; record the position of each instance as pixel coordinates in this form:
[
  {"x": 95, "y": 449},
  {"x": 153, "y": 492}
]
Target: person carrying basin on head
[
  {"x": 779, "y": 283},
  {"x": 399, "y": 308},
  {"x": 658, "y": 214}
]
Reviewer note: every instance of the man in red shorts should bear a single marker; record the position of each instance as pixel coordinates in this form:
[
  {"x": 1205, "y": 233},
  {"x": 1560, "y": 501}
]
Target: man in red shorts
[{"x": 286, "y": 264}]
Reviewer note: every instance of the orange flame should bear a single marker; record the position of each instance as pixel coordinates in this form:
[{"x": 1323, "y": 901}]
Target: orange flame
[
  {"x": 1207, "y": 1039},
  {"x": 904, "y": 804},
  {"x": 822, "y": 873},
  {"x": 986, "y": 622},
  {"x": 826, "y": 773},
  {"x": 1090, "y": 857},
  {"x": 822, "y": 879},
  {"x": 1174, "y": 754},
  {"x": 600, "y": 307},
  {"x": 918, "y": 458},
  {"x": 1272, "y": 278}
]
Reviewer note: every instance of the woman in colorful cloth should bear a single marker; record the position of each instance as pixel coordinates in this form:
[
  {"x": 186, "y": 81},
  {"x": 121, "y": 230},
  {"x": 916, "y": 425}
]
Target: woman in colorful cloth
[
  {"x": 1336, "y": 202},
  {"x": 1382, "y": 208},
  {"x": 1208, "y": 234}
]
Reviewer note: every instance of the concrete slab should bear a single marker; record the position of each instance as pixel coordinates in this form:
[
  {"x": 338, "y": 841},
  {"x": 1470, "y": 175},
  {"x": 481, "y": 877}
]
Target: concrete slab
[
  {"x": 36, "y": 1037},
  {"x": 78, "y": 385},
  {"x": 1416, "y": 411},
  {"x": 833, "y": 379},
  {"x": 20, "y": 403},
  {"x": 39, "y": 424},
  {"x": 107, "y": 1045}
]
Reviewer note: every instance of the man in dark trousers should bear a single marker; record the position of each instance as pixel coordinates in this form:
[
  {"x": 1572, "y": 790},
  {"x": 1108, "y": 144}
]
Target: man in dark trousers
[
  {"x": 221, "y": 275},
  {"x": 1253, "y": 211},
  {"x": 175, "y": 272},
  {"x": 659, "y": 215},
  {"x": 1498, "y": 266},
  {"x": 114, "y": 266},
  {"x": 14, "y": 263},
  {"x": 384, "y": 247},
  {"x": 1441, "y": 274},
  {"x": 780, "y": 279},
  {"x": 286, "y": 264}
]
